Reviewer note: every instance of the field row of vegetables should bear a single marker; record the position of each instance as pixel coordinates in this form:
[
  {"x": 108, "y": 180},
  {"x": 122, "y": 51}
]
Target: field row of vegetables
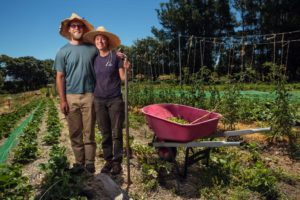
[
  {"x": 56, "y": 174},
  {"x": 10, "y": 120}
]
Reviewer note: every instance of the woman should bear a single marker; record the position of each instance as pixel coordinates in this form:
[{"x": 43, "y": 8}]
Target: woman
[{"x": 109, "y": 105}]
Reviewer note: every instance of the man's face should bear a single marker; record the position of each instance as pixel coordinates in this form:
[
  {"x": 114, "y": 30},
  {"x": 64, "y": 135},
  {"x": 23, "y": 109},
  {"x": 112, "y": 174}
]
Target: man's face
[
  {"x": 76, "y": 29},
  {"x": 101, "y": 42}
]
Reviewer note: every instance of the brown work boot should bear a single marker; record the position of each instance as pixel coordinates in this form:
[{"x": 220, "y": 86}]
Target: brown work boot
[
  {"x": 116, "y": 168},
  {"x": 107, "y": 167}
]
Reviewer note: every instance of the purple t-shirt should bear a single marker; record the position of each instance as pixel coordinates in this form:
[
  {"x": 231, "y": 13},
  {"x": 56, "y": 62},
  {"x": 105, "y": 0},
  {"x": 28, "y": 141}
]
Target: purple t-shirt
[{"x": 108, "y": 82}]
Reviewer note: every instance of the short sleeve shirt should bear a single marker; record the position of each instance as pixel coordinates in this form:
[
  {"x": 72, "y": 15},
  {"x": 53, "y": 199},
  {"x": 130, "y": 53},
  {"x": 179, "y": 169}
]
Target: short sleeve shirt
[
  {"x": 108, "y": 82},
  {"x": 76, "y": 62}
]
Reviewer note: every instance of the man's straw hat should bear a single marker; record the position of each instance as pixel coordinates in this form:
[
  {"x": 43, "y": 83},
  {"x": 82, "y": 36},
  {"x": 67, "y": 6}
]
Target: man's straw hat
[
  {"x": 64, "y": 25},
  {"x": 113, "y": 40}
]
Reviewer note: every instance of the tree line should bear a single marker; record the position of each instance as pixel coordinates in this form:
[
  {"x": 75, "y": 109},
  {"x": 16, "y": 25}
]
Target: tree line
[
  {"x": 24, "y": 73},
  {"x": 225, "y": 36}
]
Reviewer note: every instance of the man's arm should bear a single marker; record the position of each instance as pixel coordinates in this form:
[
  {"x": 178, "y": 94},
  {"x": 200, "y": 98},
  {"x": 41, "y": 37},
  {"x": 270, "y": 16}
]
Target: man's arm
[{"x": 60, "y": 83}]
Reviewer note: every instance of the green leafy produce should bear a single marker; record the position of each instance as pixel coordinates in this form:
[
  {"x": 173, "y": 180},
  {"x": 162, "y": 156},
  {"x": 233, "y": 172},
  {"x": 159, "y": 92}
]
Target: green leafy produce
[{"x": 178, "y": 120}]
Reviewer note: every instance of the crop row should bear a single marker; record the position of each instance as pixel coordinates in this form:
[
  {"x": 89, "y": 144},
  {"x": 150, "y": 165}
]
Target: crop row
[
  {"x": 27, "y": 149},
  {"x": 9, "y": 120},
  {"x": 13, "y": 184},
  {"x": 58, "y": 180}
]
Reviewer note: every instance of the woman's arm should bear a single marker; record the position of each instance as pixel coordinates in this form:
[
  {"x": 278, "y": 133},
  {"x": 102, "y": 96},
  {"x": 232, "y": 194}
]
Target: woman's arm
[{"x": 126, "y": 65}]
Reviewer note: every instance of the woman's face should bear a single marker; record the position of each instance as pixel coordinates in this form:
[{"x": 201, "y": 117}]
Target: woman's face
[{"x": 101, "y": 42}]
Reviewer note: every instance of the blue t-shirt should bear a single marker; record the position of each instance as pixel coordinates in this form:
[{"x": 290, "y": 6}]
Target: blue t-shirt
[
  {"x": 76, "y": 62},
  {"x": 108, "y": 82}
]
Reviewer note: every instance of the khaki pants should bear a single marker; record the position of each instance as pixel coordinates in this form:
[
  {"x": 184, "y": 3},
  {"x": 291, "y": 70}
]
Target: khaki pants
[{"x": 81, "y": 122}]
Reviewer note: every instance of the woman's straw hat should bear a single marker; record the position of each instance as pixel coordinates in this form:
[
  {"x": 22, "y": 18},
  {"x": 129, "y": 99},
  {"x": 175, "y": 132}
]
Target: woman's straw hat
[
  {"x": 64, "y": 25},
  {"x": 113, "y": 40}
]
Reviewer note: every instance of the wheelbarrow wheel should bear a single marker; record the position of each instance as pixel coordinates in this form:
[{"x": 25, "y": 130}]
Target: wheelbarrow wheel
[{"x": 167, "y": 153}]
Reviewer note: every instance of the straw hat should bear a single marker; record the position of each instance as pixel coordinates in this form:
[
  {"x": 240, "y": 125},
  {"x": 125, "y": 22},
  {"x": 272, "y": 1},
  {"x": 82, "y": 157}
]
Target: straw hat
[
  {"x": 64, "y": 25},
  {"x": 113, "y": 40}
]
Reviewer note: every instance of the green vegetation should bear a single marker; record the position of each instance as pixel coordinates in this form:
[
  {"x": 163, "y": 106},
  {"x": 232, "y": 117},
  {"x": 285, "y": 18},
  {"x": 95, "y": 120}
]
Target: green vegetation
[
  {"x": 27, "y": 149},
  {"x": 59, "y": 181},
  {"x": 13, "y": 185},
  {"x": 26, "y": 73},
  {"x": 221, "y": 66},
  {"x": 230, "y": 170},
  {"x": 9, "y": 120},
  {"x": 178, "y": 120},
  {"x": 53, "y": 125}
]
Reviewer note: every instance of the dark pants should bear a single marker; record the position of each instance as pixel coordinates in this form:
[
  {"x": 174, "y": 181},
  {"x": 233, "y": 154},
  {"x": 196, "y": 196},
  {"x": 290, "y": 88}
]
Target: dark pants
[{"x": 110, "y": 118}]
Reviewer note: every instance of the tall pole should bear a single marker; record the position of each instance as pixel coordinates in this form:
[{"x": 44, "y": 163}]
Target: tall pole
[
  {"x": 127, "y": 128},
  {"x": 274, "y": 58},
  {"x": 179, "y": 57}
]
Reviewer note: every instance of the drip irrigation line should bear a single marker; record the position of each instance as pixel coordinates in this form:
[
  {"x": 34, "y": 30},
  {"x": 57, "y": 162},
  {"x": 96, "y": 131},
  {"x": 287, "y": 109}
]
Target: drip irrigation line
[
  {"x": 13, "y": 138},
  {"x": 50, "y": 188}
]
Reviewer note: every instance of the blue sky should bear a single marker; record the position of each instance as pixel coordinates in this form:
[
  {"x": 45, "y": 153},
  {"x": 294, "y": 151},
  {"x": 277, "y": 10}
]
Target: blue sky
[{"x": 30, "y": 27}]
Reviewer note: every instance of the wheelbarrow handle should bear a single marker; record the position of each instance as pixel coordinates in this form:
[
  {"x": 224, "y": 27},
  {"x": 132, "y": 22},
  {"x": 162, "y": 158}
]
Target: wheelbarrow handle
[
  {"x": 246, "y": 131},
  {"x": 239, "y": 132}
]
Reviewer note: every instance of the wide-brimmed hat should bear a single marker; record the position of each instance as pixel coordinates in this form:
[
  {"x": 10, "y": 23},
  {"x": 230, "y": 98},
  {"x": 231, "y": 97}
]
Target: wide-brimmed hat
[
  {"x": 113, "y": 40},
  {"x": 64, "y": 25}
]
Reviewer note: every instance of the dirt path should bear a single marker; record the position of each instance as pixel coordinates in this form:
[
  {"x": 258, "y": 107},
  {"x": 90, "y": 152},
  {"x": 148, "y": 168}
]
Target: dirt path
[
  {"x": 32, "y": 170},
  {"x": 278, "y": 160}
]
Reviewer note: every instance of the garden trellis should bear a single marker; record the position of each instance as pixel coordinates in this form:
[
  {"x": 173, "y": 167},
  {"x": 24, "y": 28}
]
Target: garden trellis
[
  {"x": 224, "y": 55},
  {"x": 236, "y": 48}
]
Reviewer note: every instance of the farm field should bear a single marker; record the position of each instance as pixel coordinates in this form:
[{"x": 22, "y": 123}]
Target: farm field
[
  {"x": 10, "y": 102},
  {"x": 256, "y": 170},
  {"x": 211, "y": 95}
]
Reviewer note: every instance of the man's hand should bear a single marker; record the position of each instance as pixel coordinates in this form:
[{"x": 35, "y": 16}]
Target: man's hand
[{"x": 64, "y": 108}]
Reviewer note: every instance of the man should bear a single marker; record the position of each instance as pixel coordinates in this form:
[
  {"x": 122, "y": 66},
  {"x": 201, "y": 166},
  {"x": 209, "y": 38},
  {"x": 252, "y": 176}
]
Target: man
[{"x": 75, "y": 85}]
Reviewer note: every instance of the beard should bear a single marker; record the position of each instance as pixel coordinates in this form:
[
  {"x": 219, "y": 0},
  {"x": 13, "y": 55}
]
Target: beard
[{"x": 77, "y": 36}]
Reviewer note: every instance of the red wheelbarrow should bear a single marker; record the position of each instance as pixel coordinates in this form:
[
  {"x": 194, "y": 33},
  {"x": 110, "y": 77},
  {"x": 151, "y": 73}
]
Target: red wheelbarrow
[{"x": 168, "y": 135}]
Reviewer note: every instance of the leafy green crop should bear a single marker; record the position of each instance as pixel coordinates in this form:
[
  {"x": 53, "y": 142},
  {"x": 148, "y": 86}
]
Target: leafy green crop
[
  {"x": 178, "y": 120},
  {"x": 12, "y": 184}
]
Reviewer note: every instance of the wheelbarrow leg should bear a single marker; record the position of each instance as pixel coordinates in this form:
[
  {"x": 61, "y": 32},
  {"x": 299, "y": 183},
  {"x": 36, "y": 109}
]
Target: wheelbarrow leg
[
  {"x": 207, "y": 156},
  {"x": 186, "y": 161},
  {"x": 178, "y": 176},
  {"x": 153, "y": 140},
  {"x": 195, "y": 157}
]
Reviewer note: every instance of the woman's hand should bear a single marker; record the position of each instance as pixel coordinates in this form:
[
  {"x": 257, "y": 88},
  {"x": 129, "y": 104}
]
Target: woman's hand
[
  {"x": 126, "y": 64},
  {"x": 121, "y": 55}
]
